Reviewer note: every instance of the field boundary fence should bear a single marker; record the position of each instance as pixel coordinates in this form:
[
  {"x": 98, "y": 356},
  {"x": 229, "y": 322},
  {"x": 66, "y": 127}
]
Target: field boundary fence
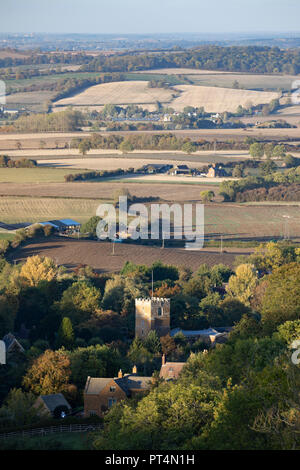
[{"x": 64, "y": 428}]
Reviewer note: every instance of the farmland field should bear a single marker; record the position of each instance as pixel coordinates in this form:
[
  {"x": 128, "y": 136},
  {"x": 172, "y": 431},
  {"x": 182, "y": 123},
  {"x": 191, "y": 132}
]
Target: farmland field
[
  {"x": 70, "y": 253},
  {"x": 67, "y": 441},
  {"x": 136, "y": 92},
  {"x": 219, "y": 78},
  {"x": 181, "y": 71},
  {"x": 7, "y": 235},
  {"x": 211, "y": 98},
  {"x": 219, "y": 99},
  {"x": 34, "y": 100},
  {"x": 233, "y": 221},
  {"x": 105, "y": 190},
  {"x": 163, "y": 178},
  {"x": 110, "y": 163},
  {"x": 15, "y": 85},
  {"x": 247, "y": 81},
  {"x": 254, "y": 221},
  {"x": 33, "y": 175},
  {"x": 23, "y": 209}
]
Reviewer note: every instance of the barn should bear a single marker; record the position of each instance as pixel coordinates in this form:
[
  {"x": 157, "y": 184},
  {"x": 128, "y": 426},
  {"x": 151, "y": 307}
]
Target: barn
[{"x": 63, "y": 225}]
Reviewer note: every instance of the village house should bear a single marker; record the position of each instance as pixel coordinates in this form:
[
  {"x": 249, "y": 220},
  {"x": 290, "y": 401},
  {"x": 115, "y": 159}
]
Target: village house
[
  {"x": 10, "y": 111},
  {"x": 152, "y": 168},
  {"x": 170, "y": 370},
  {"x": 100, "y": 394},
  {"x": 12, "y": 345},
  {"x": 180, "y": 170},
  {"x": 210, "y": 336},
  {"x": 216, "y": 171}
]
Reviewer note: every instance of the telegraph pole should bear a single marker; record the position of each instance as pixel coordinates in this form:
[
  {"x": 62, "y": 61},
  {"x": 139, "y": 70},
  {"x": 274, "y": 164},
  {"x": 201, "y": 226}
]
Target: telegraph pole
[
  {"x": 152, "y": 284},
  {"x": 163, "y": 241},
  {"x": 286, "y": 230}
]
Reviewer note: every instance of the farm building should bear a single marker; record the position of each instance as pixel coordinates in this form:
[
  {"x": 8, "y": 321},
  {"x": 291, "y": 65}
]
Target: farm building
[
  {"x": 63, "y": 225},
  {"x": 180, "y": 170},
  {"x": 53, "y": 405},
  {"x": 14, "y": 227},
  {"x": 156, "y": 168},
  {"x": 67, "y": 224},
  {"x": 11, "y": 111}
]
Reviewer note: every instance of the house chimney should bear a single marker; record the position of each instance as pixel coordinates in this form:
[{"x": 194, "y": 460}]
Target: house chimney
[
  {"x": 163, "y": 360},
  {"x": 134, "y": 370},
  {"x": 120, "y": 374}
]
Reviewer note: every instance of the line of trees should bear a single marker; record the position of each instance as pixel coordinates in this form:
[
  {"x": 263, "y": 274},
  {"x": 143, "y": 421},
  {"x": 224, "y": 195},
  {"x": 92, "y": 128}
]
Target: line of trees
[
  {"x": 64, "y": 121},
  {"x": 7, "y": 162},
  {"x": 35, "y": 58},
  {"x": 281, "y": 185},
  {"x": 167, "y": 141},
  {"x": 252, "y": 59}
]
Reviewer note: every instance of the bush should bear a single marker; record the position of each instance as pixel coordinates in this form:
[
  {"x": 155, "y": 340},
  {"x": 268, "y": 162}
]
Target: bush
[
  {"x": 4, "y": 245},
  {"x": 35, "y": 231},
  {"x": 49, "y": 230}
]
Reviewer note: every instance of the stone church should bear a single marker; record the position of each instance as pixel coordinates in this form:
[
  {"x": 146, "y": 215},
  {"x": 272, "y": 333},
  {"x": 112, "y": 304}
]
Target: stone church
[{"x": 152, "y": 314}]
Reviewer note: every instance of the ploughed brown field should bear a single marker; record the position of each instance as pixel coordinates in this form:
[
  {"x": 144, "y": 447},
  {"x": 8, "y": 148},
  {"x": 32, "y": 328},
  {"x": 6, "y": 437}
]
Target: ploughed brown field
[{"x": 71, "y": 253}]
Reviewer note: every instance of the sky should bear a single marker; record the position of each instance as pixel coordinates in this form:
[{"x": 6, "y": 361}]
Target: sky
[{"x": 149, "y": 16}]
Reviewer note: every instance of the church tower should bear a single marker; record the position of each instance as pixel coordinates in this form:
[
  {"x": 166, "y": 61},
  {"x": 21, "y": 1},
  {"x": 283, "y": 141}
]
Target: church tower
[{"x": 152, "y": 314}]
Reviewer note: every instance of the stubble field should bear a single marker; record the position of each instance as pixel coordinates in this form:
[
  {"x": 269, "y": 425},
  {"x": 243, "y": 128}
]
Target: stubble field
[
  {"x": 136, "y": 92},
  {"x": 105, "y": 190},
  {"x": 213, "y": 99}
]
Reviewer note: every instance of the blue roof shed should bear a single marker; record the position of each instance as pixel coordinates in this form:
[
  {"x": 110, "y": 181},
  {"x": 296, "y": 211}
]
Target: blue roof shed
[{"x": 70, "y": 222}]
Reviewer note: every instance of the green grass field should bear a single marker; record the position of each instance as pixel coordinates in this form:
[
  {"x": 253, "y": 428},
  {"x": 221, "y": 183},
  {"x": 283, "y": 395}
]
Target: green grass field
[
  {"x": 35, "y": 175},
  {"x": 7, "y": 235},
  {"x": 19, "y": 84},
  {"x": 35, "y": 101},
  {"x": 64, "y": 441},
  {"x": 172, "y": 79}
]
